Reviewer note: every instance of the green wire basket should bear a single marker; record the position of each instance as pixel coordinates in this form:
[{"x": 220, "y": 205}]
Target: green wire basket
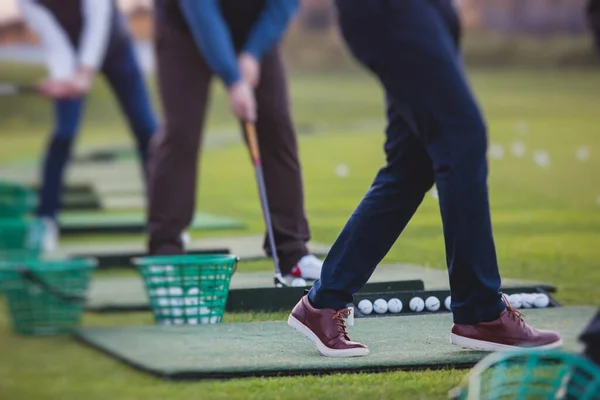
[
  {"x": 16, "y": 200},
  {"x": 21, "y": 238},
  {"x": 187, "y": 289},
  {"x": 45, "y": 297},
  {"x": 532, "y": 375}
]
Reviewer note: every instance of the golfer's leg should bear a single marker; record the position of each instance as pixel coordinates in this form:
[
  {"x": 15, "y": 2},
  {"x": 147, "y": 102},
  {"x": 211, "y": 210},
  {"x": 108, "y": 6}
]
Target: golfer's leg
[
  {"x": 591, "y": 339},
  {"x": 380, "y": 217},
  {"x": 455, "y": 136},
  {"x": 67, "y": 115},
  {"x": 281, "y": 166},
  {"x": 183, "y": 82},
  {"x": 126, "y": 79}
]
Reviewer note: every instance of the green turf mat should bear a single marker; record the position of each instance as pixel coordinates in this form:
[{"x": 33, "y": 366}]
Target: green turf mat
[
  {"x": 127, "y": 293},
  {"x": 273, "y": 348},
  {"x": 82, "y": 223}
]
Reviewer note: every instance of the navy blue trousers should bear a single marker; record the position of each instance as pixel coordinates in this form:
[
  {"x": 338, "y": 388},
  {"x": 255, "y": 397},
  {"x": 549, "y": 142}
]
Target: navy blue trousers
[
  {"x": 435, "y": 134},
  {"x": 126, "y": 80}
]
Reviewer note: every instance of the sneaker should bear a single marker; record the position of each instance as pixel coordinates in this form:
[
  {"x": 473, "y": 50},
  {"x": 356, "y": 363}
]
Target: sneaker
[
  {"x": 309, "y": 267},
  {"x": 50, "y": 239},
  {"x": 508, "y": 332},
  {"x": 326, "y": 328}
]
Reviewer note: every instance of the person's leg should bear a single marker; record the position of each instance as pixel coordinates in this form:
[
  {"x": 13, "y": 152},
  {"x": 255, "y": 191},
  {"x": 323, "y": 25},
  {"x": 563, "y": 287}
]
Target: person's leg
[
  {"x": 281, "y": 166},
  {"x": 183, "y": 81},
  {"x": 381, "y": 216},
  {"x": 67, "y": 116},
  {"x": 591, "y": 339},
  {"x": 126, "y": 79}
]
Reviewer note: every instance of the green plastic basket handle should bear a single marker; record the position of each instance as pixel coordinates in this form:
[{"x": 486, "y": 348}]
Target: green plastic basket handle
[{"x": 31, "y": 277}]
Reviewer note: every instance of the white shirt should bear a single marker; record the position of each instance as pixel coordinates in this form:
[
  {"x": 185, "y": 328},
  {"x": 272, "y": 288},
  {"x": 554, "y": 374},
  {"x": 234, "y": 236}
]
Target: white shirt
[{"x": 62, "y": 59}]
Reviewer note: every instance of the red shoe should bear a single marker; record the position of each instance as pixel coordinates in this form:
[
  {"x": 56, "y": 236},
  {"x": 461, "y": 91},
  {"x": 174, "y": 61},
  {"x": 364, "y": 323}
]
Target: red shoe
[
  {"x": 508, "y": 332},
  {"x": 326, "y": 328}
]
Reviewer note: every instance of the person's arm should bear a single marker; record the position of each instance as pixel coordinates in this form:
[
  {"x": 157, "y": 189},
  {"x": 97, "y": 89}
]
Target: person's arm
[
  {"x": 212, "y": 37},
  {"x": 60, "y": 55},
  {"x": 270, "y": 26},
  {"x": 97, "y": 16}
]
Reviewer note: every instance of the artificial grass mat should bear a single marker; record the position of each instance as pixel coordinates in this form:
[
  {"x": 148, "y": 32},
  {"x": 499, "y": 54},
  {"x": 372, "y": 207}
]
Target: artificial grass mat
[
  {"x": 273, "y": 348},
  {"x": 94, "y": 222}
]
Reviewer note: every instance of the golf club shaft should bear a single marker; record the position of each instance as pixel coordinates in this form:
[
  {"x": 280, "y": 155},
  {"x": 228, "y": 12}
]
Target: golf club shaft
[{"x": 250, "y": 131}]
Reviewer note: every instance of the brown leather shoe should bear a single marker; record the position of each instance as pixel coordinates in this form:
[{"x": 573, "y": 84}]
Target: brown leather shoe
[
  {"x": 326, "y": 328},
  {"x": 508, "y": 332}
]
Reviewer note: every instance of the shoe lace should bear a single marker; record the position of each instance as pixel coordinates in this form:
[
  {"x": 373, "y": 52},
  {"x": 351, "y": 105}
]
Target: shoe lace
[
  {"x": 513, "y": 312},
  {"x": 341, "y": 322}
]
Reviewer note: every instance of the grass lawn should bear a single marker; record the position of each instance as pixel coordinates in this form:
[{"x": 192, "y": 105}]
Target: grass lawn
[{"x": 546, "y": 219}]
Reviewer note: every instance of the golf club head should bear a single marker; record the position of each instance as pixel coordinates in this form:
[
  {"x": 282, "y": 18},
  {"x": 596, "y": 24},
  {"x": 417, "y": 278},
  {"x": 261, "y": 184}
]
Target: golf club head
[{"x": 280, "y": 281}]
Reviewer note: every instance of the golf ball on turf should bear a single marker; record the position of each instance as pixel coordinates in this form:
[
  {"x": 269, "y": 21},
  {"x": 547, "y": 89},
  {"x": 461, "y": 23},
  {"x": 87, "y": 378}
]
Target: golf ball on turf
[
  {"x": 432, "y": 303},
  {"x": 515, "y": 300},
  {"x": 541, "y": 300},
  {"x": 342, "y": 170},
  {"x": 365, "y": 306},
  {"x": 394, "y": 305},
  {"x": 526, "y": 300},
  {"x": 298, "y": 282},
  {"x": 416, "y": 304},
  {"x": 448, "y": 303},
  {"x": 380, "y": 306}
]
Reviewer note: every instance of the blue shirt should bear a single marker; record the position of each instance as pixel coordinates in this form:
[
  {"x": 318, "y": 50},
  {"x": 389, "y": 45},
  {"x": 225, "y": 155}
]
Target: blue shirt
[{"x": 213, "y": 37}]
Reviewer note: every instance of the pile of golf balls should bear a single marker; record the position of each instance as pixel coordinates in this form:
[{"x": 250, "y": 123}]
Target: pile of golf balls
[
  {"x": 395, "y": 306},
  {"x": 529, "y": 300}
]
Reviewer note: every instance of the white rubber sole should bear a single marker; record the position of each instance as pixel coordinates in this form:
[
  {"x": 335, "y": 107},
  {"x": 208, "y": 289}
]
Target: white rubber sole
[
  {"x": 324, "y": 350},
  {"x": 474, "y": 344}
]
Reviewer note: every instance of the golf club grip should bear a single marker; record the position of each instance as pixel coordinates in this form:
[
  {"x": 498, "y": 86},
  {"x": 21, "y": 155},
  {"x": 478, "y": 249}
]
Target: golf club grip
[{"x": 252, "y": 142}]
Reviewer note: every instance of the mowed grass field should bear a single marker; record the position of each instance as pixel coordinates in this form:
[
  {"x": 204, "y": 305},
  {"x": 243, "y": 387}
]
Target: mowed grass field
[{"x": 546, "y": 217}]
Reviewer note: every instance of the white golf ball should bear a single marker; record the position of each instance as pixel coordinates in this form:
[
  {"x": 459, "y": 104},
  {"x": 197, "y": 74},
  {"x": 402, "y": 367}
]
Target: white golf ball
[
  {"x": 380, "y": 306},
  {"x": 515, "y": 300},
  {"x": 175, "y": 291},
  {"x": 526, "y": 300},
  {"x": 299, "y": 282},
  {"x": 432, "y": 303},
  {"x": 541, "y": 300},
  {"x": 394, "y": 305},
  {"x": 342, "y": 170},
  {"x": 416, "y": 304},
  {"x": 448, "y": 303},
  {"x": 365, "y": 306}
]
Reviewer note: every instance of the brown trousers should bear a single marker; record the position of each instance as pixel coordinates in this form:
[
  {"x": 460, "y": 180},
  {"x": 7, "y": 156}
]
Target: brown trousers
[{"x": 184, "y": 79}]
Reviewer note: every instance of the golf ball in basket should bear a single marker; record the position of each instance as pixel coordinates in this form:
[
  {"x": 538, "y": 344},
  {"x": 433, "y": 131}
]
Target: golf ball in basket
[
  {"x": 541, "y": 300},
  {"x": 416, "y": 304},
  {"x": 515, "y": 300},
  {"x": 432, "y": 303},
  {"x": 365, "y": 306},
  {"x": 448, "y": 303},
  {"x": 380, "y": 306},
  {"x": 394, "y": 305},
  {"x": 298, "y": 282}
]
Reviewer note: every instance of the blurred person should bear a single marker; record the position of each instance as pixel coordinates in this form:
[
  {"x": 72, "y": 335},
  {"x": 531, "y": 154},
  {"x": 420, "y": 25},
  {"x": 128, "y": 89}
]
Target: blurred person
[
  {"x": 593, "y": 19},
  {"x": 435, "y": 134},
  {"x": 81, "y": 38},
  {"x": 237, "y": 41}
]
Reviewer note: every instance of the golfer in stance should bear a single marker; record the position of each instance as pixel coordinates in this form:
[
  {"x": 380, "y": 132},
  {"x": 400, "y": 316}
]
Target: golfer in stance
[
  {"x": 236, "y": 41},
  {"x": 435, "y": 134},
  {"x": 81, "y": 38}
]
